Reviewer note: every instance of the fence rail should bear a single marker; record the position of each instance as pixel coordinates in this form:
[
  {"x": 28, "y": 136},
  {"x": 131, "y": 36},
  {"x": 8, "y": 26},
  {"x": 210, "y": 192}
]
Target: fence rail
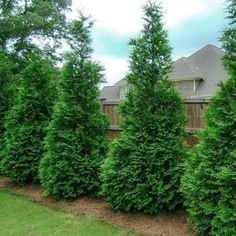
[{"x": 194, "y": 108}]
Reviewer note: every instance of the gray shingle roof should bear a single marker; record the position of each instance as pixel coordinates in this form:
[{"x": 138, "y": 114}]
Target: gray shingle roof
[
  {"x": 110, "y": 93},
  {"x": 206, "y": 63}
]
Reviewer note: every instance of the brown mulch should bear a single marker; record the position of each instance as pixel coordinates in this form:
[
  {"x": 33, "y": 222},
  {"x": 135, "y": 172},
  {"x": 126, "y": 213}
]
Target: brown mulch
[{"x": 168, "y": 224}]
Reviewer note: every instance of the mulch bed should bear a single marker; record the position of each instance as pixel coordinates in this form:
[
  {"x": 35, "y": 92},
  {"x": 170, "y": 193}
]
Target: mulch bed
[{"x": 168, "y": 224}]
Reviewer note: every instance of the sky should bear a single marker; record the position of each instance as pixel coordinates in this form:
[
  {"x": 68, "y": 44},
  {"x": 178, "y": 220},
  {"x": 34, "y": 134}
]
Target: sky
[{"x": 191, "y": 24}]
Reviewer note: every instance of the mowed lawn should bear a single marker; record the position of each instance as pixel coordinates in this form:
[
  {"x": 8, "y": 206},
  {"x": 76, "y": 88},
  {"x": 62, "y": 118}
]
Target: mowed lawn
[{"x": 21, "y": 216}]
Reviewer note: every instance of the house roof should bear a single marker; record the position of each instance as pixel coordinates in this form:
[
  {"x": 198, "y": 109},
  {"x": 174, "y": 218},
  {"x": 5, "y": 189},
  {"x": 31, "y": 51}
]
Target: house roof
[
  {"x": 205, "y": 65},
  {"x": 110, "y": 93}
]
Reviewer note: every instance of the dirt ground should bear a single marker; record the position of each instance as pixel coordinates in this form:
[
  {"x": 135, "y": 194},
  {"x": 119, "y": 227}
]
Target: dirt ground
[{"x": 168, "y": 224}]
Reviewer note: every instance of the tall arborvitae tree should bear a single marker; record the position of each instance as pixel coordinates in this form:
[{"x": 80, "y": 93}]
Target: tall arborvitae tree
[
  {"x": 27, "y": 120},
  {"x": 6, "y": 90},
  {"x": 209, "y": 184},
  {"x": 143, "y": 170},
  {"x": 76, "y": 140}
]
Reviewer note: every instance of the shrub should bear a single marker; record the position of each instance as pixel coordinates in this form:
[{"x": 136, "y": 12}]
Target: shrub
[
  {"x": 143, "y": 170},
  {"x": 76, "y": 141},
  {"x": 26, "y": 122},
  {"x": 6, "y": 92},
  {"x": 209, "y": 184}
]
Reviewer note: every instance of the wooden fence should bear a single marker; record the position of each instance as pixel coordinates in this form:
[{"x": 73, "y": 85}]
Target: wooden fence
[{"x": 194, "y": 108}]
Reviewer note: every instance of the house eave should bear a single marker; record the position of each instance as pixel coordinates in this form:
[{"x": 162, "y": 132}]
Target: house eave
[{"x": 180, "y": 79}]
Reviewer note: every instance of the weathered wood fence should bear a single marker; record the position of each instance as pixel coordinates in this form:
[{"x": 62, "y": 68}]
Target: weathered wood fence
[{"x": 194, "y": 108}]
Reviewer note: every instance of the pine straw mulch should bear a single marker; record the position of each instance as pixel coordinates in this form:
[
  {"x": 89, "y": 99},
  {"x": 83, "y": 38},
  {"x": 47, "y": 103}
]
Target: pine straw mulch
[{"x": 168, "y": 224}]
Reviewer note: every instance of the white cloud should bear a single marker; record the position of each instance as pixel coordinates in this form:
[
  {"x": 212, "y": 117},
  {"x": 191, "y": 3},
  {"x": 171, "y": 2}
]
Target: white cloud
[
  {"x": 125, "y": 16},
  {"x": 178, "y": 11},
  {"x": 115, "y": 68},
  {"x": 121, "y": 16}
]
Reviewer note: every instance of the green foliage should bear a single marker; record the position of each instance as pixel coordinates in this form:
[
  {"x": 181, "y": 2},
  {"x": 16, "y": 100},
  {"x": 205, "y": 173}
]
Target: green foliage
[
  {"x": 6, "y": 91},
  {"x": 143, "y": 170},
  {"x": 21, "y": 21},
  {"x": 26, "y": 122},
  {"x": 209, "y": 184},
  {"x": 76, "y": 142},
  {"x": 228, "y": 40}
]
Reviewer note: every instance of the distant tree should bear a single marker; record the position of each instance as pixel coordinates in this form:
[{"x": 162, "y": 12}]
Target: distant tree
[
  {"x": 209, "y": 184},
  {"x": 6, "y": 90},
  {"x": 22, "y": 22},
  {"x": 143, "y": 170},
  {"x": 27, "y": 120},
  {"x": 76, "y": 140}
]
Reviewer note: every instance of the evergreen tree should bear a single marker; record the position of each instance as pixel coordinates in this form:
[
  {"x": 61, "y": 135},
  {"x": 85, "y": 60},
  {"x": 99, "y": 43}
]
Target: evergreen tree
[
  {"x": 6, "y": 79},
  {"x": 26, "y": 122},
  {"x": 76, "y": 141},
  {"x": 143, "y": 170},
  {"x": 209, "y": 184}
]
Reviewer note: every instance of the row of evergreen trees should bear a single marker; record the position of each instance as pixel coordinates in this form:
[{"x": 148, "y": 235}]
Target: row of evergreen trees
[
  {"x": 58, "y": 136},
  {"x": 52, "y": 130}
]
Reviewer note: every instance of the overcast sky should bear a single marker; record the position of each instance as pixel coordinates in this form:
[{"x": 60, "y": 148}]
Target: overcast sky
[{"x": 191, "y": 24}]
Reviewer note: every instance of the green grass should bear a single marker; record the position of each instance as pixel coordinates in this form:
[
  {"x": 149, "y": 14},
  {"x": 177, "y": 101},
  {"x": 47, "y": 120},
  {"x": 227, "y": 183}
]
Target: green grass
[{"x": 20, "y": 216}]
